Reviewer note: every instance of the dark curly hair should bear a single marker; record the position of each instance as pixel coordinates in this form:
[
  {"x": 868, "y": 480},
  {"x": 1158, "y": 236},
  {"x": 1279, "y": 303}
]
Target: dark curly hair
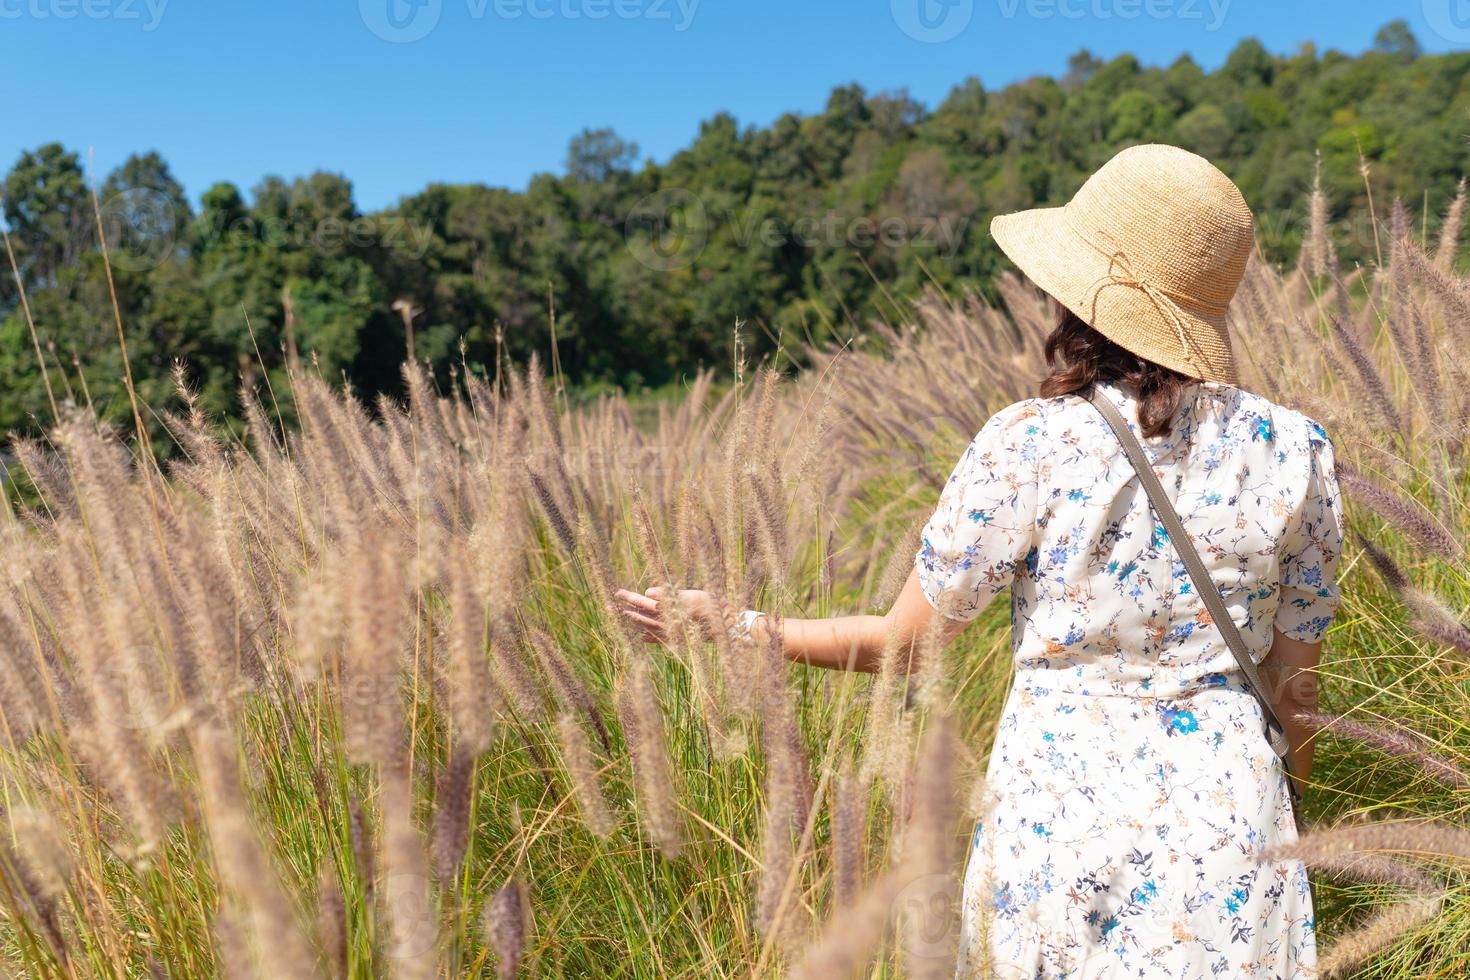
[{"x": 1078, "y": 356}]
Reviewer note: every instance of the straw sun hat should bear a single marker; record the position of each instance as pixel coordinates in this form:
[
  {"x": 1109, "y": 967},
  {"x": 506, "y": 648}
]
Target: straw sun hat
[{"x": 1149, "y": 252}]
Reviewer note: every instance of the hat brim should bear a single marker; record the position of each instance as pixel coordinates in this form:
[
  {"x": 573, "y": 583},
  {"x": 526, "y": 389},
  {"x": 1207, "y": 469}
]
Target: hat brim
[{"x": 1043, "y": 245}]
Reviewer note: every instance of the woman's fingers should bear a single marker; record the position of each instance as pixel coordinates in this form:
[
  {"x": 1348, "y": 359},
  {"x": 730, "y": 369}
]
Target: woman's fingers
[
  {"x": 652, "y": 629},
  {"x": 638, "y": 600},
  {"x": 645, "y": 611},
  {"x": 646, "y": 621}
]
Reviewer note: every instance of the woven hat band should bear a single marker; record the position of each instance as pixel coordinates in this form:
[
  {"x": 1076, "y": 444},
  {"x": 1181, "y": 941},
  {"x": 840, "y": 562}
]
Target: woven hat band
[
  {"x": 1148, "y": 324},
  {"x": 1141, "y": 270},
  {"x": 1197, "y": 249}
]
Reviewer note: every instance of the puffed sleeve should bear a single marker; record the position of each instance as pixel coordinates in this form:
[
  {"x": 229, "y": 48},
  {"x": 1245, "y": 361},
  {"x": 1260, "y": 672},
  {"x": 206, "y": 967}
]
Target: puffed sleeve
[
  {"x": 1309, "y": 550},
  {"x": 984, "y": 525}
]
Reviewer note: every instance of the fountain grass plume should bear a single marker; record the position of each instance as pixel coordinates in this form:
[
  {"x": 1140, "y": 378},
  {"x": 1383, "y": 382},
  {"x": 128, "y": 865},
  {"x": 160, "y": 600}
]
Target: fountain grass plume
[
  {"x": 474, "y": 698},
  {"x": 1430, "y": 616},
  {"x": 571, "y": 692},
  {"x": 849, "y": 832},
  {"x": 1403, "y": 744},
  {"x": 1385, "y": 927},
  {"x": 847, "y": 945},
  {"x": 505, "y": 924},
  {"x": 451, "y": 827},
  {"x": 331, "y": 919},
  {"x": 1419, "y": 838},
  {"x": 1449, "y": 230},
  {"x": 644, "y": 732},
  {"x": 1368, "y": 374},
  {"x": 1405, "y": 514},
  {"x": 584, "y": 775}
]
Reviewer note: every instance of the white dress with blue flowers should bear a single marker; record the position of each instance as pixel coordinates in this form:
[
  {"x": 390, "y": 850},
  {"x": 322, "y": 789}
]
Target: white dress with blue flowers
[{"x": 1131, "y": 784}]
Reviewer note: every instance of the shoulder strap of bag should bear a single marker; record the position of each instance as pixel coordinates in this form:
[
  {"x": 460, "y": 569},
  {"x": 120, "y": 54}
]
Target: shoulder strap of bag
[{"x": 1204, "y": 586}]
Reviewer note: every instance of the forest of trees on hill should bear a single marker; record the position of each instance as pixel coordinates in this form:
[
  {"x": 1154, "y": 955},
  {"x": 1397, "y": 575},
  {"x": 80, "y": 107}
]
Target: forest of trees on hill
[{"x": 805, "y": 229}]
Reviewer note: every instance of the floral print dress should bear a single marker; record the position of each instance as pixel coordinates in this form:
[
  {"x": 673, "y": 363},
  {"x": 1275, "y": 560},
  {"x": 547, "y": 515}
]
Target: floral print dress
[{"x": 1131, "y": 785}]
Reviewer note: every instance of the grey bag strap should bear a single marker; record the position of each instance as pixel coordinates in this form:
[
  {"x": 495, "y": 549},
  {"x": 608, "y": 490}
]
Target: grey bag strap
[{"x": 1204, "y": 586}]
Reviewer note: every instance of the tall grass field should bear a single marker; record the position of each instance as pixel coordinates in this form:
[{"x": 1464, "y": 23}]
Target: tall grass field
[{"x": 353, "y": 700}]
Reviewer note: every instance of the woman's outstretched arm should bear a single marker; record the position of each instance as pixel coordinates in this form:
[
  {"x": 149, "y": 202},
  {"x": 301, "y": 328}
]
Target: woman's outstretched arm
[
  {"x": 838, "y": 643},
  {"x": 973, "y": 545}
]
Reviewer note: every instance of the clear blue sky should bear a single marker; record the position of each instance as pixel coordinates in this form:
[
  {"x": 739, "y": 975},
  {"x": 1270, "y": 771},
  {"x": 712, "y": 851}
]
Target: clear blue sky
[{"x": 237, "y": 89}]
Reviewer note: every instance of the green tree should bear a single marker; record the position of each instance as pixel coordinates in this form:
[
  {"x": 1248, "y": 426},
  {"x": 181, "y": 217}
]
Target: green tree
[{"x": 48, "y": 212}]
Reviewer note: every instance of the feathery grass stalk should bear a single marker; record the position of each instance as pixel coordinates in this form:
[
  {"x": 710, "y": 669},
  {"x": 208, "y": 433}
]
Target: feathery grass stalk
[
  {"x": 505, "y": 926},
  {"x": 584, "y": 775},
  {"x": 570, "y": 691},
  {"x": 1317, "y": 251},
  {"x": 472, "y": 692},
  {"x": 600, "y": 580},
  {"x": 928, "y": 912},
  {"x": 849, "y": 825},
  {"x": 1386, "y": 926},
  {"x": 1368, "y": 374},
  {"x": 412, "y": 920},
  {"x": 1402, "y": 744},
  {"x": 556, "y": 518},
  {"x": 1449, "y": 230},
  {"x": 451, "y": 828},
  {"x": 372, "y": 708},
  {"x": 38, "y": 908},
  {"x": 1423, "y": 839},
  {"x": 513, "y": 676},
  {"x": 643, "y": 730},
  {"x": 889, "y": 731},
  {"x": 847, "y": 945},
  {"x": 1405, "y": 514},
  {"x": 1430, "y": 616},
  {"x": 1377, "y": 869},
  {"x": 280, "y": 943},
  {"x": 364, "y": 855},
  {"x": 332, "y": 929}
]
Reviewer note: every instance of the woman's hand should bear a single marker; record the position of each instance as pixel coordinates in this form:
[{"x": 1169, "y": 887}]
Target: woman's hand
[{"x": 649, "y": 611}]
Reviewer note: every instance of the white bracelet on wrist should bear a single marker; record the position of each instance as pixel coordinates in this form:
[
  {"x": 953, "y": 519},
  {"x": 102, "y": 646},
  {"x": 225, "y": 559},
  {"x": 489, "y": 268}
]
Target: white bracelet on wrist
[{"x": 744, "y": 623}]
